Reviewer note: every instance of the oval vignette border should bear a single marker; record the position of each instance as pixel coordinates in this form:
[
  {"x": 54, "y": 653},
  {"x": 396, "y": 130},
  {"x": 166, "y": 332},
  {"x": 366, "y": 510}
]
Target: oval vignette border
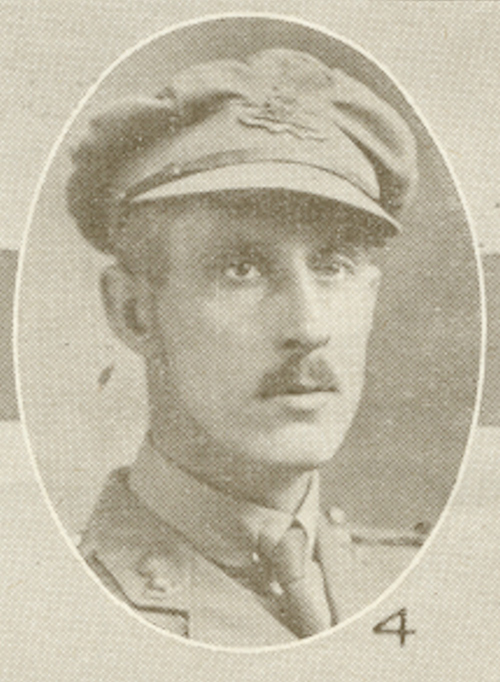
[{"x": 348, "y": 45}]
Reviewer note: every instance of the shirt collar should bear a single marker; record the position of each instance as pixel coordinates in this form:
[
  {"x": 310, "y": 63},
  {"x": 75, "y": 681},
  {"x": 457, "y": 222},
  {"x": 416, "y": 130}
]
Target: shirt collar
[{"x": 225, "y": 529}]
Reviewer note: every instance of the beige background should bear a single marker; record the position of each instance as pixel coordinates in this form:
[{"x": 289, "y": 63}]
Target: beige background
[{"x": 56, "y": 623}]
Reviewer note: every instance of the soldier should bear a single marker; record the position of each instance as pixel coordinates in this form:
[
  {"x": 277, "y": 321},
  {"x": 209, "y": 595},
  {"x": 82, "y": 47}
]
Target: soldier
[{"x": 241, "y": 205}]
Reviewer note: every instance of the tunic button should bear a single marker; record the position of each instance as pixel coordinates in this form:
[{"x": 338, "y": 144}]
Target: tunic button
[
  {"x": 336, "y": 516},
  {"x": 276, "y": 588}
]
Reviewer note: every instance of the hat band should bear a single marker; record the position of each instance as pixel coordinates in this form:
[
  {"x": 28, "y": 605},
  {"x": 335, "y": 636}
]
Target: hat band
[{"x": 176, "y": 171}]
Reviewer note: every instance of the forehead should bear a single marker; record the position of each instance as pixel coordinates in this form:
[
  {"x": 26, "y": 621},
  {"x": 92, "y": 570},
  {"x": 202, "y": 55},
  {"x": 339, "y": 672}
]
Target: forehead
[{"x": 263, "y": 216}]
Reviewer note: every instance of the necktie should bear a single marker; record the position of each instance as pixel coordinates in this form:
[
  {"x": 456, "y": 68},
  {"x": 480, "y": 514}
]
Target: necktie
[{"x": 304, "y": 602}]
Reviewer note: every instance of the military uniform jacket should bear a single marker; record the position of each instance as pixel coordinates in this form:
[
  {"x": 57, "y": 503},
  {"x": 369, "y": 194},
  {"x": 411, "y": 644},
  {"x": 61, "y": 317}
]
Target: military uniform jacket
[{"x": 159, "y": 574}]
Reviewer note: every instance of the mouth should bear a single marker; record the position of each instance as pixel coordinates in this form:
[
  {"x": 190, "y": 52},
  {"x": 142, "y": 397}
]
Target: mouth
[
  {"x": 301, "y": 403},
  {"x": 298, "y": 390}
]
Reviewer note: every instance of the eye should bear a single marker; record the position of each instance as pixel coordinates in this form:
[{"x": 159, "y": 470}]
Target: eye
[
  {"x": 333, "y": 266},
  {"x": 242, "y": 271}
]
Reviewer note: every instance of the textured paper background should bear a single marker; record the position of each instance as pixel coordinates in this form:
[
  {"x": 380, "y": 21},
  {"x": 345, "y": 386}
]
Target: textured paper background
[{"x": 56, "y": 623}]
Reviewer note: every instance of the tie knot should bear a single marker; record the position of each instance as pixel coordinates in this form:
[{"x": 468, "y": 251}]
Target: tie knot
[{"x": 289, "y": 555}]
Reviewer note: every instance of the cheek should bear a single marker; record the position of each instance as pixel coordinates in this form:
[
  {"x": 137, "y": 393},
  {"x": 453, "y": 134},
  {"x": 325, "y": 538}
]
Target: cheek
[
  {"x": 350, "y": 326},
  {"x": 351, "y": 316},
  {"x": 211, "y": 344}
]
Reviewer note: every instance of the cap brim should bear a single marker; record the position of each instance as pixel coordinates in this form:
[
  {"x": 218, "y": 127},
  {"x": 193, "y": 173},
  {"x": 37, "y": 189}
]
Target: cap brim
[{"x": 271, "y": 175}]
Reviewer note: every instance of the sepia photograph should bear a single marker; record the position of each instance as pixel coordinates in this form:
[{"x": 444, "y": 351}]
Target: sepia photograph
[
  {"x": 250, "y": 202},
  {"x": 254, "y": 375}
]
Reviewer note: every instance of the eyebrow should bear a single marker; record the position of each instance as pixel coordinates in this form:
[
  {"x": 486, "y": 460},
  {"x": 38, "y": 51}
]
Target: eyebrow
[
  {"x": 240, "y": 244},
  {"x": 346, "y": 247},
  {"x": 211, "y": 253}
]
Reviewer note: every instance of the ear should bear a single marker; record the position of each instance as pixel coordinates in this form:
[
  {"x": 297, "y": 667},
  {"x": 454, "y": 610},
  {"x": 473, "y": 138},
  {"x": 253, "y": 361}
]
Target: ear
[{"x": 128, "y": 302}]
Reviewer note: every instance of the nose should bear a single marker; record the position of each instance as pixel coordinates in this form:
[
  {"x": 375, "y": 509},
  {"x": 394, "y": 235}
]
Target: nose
[{"x": 304, "y": 320}]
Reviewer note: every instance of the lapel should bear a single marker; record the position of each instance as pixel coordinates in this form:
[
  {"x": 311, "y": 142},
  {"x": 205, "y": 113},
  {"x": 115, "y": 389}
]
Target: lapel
[
  {"x": 184, "y": 593},
  {"x": 224, "y": 612},
  {"x": 167, "y": 581}
]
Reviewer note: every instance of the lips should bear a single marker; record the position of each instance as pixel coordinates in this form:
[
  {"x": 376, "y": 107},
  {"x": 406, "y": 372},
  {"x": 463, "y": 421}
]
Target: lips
[
  {"x": 299, "y": 375},
  {"x": 301, "y": 389}
]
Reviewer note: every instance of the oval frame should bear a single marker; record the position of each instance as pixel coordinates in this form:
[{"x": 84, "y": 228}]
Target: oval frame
[{"x": 63, "y": 141}]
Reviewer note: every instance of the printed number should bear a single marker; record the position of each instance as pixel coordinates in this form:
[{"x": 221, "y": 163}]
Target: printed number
[{"x": 401, "y": 616}]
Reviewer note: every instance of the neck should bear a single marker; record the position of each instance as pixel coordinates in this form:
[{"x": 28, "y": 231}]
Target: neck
[{"x": 258, "y": 482}]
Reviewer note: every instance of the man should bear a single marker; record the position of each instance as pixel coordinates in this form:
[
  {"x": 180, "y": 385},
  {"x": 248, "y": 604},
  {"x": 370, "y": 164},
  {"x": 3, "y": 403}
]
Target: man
[{"x": 242, "y": 205}]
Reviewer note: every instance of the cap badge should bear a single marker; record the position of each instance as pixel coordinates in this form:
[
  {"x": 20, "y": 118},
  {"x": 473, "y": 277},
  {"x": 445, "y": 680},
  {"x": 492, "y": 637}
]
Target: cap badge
[{"x": 281, "y": 112}]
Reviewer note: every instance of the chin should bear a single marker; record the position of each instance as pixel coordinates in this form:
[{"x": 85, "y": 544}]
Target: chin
[{"x": 300, "y": 447}]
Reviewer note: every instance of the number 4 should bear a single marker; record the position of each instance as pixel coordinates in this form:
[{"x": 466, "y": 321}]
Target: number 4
[{"x": 381, "y": 629}]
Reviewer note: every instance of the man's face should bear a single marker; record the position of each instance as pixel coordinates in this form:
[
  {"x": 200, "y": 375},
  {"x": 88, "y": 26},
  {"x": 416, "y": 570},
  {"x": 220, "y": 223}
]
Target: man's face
[{"x": 262, "y": 326}]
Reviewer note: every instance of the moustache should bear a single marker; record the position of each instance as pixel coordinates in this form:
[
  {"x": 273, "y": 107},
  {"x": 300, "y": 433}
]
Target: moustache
[{"x": 299, "y": 374}]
